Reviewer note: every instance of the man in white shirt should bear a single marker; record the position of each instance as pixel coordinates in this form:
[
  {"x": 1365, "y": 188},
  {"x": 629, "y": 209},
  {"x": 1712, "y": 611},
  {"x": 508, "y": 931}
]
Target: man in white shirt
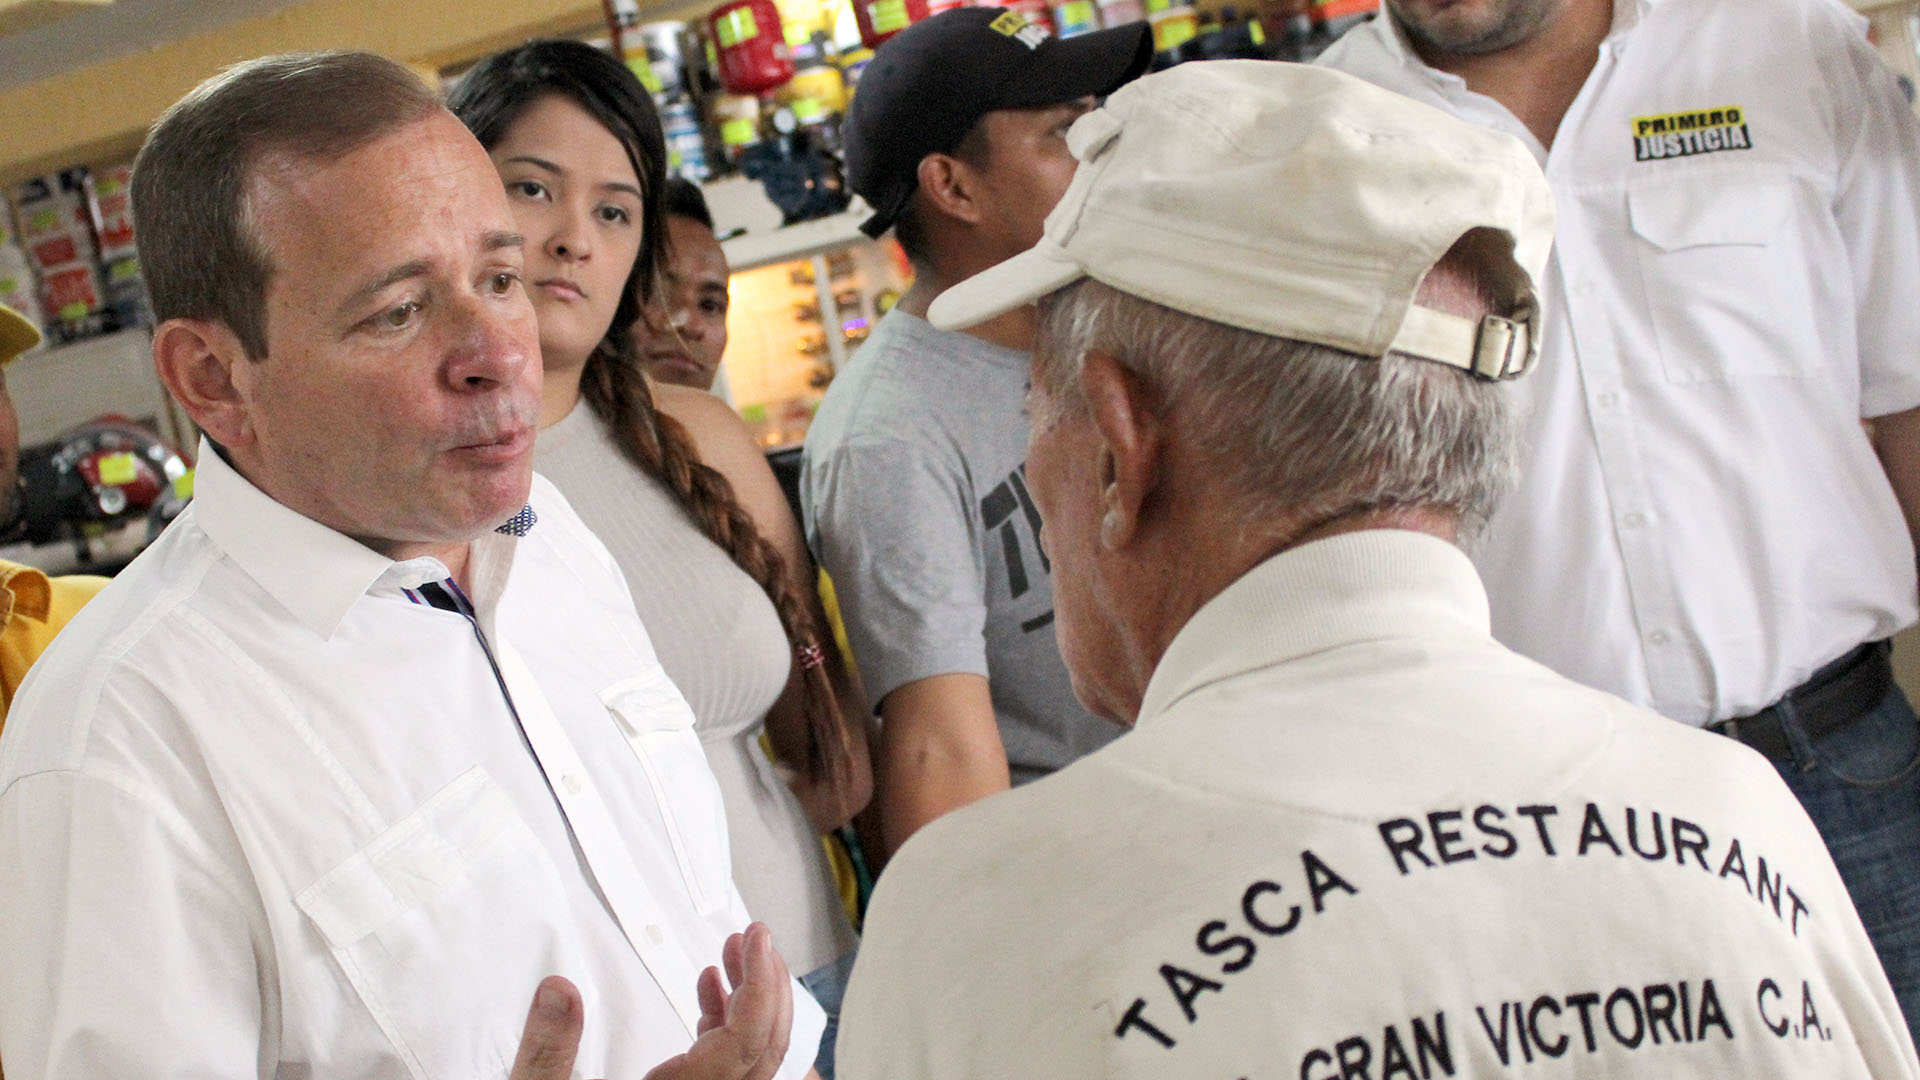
[
  {"x": 1349, "y": 835},
  {"x": 370, "y": 742},
  {"x": 1703, "y": 526}
]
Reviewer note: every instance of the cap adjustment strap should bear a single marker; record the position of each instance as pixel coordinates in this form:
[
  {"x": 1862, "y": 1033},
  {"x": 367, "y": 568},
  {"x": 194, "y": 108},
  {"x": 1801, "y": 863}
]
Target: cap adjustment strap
[{"x": 1493, "y": 347}]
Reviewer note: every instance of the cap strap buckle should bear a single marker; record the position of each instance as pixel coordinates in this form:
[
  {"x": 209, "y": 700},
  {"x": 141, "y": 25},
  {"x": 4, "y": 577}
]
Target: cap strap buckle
[{"x": 1492, "y": 347}]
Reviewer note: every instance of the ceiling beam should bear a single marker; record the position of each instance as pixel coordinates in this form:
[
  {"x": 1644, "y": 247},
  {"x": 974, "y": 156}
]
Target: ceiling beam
[
  {"x": 18, "y": 15},
  {"x": 99, "y": 114}
]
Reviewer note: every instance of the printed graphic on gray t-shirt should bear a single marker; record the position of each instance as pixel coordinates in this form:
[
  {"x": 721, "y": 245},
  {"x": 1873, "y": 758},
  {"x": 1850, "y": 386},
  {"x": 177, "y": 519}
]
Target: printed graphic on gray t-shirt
[{"x": 916, "y": 504}]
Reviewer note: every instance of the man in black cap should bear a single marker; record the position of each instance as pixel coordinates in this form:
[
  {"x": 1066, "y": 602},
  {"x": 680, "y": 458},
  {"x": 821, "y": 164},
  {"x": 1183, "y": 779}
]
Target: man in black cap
[{"x": 914, "y": 491}]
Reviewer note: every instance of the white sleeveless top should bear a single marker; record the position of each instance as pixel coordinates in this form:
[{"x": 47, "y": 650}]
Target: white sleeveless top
[{"x": 719, "y": 637}]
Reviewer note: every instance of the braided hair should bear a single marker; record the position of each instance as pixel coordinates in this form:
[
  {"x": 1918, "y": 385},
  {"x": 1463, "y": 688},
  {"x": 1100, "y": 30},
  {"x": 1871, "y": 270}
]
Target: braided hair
[{"x": 488, "y": 99}]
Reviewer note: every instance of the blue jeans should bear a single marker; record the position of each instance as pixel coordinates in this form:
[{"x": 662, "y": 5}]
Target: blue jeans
[
  {"x": 828, "y": 984},
  {"x": 1861, "y": 786}
]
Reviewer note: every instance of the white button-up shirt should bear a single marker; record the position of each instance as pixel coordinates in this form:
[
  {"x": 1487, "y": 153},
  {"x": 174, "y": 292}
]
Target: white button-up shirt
[
  {"x": 264, "y": 814},
  {"x": 1735, "y": 283}
]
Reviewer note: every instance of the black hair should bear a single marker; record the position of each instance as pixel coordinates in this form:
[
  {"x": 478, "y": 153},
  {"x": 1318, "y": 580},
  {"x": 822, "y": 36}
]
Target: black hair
[
  {"x": 493, "y": 94},
  {"x": 683, "y": 199}
]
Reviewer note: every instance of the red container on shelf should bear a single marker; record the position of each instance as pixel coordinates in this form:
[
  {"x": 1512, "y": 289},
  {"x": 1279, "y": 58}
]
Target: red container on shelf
[
  {"x": 750, "y": 46},
  {"x": 1034, "y": 11},
  {"x": 881, "y": 19}
]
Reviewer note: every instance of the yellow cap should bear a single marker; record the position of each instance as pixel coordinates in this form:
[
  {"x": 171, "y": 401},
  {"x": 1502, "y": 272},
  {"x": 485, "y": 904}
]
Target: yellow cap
[{"x": 17, "y": 335}]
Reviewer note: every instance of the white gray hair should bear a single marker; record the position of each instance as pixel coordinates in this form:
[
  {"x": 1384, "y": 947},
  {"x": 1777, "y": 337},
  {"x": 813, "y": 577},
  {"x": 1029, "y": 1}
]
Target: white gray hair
[{"x": 1299, "y": 432}]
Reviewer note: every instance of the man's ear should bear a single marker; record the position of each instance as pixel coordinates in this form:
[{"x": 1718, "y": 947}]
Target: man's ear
[
  {"x": 204, "y": 367},
  {"x": 1131, "y": 446},
  {"x": 947, "y": 183}
]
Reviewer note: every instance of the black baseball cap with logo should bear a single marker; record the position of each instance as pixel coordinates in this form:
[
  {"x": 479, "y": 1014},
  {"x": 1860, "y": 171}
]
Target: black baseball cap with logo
[{"x": 929, "y": 84}]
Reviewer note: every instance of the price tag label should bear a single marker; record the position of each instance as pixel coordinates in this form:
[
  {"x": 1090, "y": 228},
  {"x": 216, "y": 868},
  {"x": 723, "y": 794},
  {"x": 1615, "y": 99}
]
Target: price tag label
[
  {"x": 116, "y": 469},
  {"x": 735, "y": 27}
]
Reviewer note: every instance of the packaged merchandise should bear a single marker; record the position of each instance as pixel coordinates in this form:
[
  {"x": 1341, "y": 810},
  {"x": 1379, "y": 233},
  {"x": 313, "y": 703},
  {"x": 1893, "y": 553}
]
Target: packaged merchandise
[
  {"x": 751, "y": 46},
  {"x": 110, "y": 202},
  {"x": 57, "y": 230},
  {"x": 1075, "y": 17}
]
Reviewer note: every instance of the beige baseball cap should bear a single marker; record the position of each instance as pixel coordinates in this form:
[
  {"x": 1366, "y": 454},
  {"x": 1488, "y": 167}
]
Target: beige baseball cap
[
  {"x": 1289, "y": 200},
  {"x": 17, "y": 334}
]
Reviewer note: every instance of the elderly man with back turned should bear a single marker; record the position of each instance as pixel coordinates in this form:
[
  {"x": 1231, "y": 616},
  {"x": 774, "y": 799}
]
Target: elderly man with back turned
[
  {"x": 1704, "y": 528},
  {"x": 1349, "y": 834},
  {"x": 370, "y": 742}
]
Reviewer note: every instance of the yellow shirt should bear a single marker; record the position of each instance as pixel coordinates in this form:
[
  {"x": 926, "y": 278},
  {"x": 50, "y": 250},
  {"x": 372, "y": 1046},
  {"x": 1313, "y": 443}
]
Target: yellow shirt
[{"x": 33, "y": 608}]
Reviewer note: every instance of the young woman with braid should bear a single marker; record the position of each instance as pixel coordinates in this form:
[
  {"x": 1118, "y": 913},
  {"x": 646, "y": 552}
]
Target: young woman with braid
[{"x": 677, "y": 489}]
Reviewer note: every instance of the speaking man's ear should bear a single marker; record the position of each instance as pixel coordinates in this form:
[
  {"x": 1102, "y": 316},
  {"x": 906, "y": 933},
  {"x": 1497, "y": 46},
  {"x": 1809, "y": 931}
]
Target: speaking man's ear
[
  {"x": 204, "y": 367},
  {"x": 947, "y": 184},
  {"x": 1131, "y": 448}
]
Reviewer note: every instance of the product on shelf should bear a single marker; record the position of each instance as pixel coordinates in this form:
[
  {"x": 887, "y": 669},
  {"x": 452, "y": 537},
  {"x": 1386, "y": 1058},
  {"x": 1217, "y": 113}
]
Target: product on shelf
[
  {"x": 686, "y": 141},
  {"x": 881, "y": 19},
  {"x": 1173, "y": 26},
  {"x": 751, "y": 46},
  {"x": 56, "y": 229},
  {"x": 110, "y": 204},
  {"x": 1076, "y": 17}
]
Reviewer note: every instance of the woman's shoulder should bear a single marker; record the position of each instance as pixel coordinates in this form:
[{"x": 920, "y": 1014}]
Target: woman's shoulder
[{"x": 721, "y": 438}]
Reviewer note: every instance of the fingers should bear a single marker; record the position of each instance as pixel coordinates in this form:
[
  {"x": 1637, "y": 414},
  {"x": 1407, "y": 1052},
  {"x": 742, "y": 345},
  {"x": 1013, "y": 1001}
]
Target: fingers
[
  {"x": 733, "y": 954},
  {"x": 743, "y": 1034},
  {"x": 713, "y": 999},
  {"x": 761, "y": 1010},
  {"x": 552, "y": 1035}
]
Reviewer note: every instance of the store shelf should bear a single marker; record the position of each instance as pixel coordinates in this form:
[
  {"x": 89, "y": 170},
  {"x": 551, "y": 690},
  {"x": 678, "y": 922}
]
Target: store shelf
[
  {"x": 765, "y": 246},
  {"x": 58, "y": 387}
]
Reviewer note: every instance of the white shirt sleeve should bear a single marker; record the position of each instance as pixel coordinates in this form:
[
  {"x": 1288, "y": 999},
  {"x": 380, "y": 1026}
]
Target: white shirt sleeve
[
  {"x": 150, "y": 946},
  {"x": 1877, "y": 209}
]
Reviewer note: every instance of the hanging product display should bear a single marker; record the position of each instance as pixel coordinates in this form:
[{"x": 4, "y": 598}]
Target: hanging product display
[
  {"x": 750, "y": 46},
  {"x": 881, "y": 19}
]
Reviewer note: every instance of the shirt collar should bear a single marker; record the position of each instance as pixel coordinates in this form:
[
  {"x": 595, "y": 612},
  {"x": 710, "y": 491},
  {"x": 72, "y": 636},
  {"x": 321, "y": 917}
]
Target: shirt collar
[
  {"x": 1362, "y": 586},
  {"x": 313, "y": 571},
  {"x": 24, "y": 591}
]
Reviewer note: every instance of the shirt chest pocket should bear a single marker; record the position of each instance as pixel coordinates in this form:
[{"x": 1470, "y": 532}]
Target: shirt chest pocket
[
  {"x": 441, "y": 925},
  {"x": 658, "y": 726},
  {"x": 1725, "y": 285}
]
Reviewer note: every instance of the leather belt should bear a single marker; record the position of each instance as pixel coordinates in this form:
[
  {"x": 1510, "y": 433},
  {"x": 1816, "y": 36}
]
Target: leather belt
[{"x": 1831, "y": 698}]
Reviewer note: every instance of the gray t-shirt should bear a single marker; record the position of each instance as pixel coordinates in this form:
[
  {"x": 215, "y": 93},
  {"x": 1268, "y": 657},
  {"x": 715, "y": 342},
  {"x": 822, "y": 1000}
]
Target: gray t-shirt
[{"x": 916, "y": 503}]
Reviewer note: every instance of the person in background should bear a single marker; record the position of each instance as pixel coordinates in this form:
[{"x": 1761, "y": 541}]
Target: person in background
[
  {"x": 33, "y": 606},
  {"x": 370, "y": 745},
  {"x": 677, "y": 490},
  {"x": 913, "y": 482},
  {"x": 1734, "y": 290},
  {"x": 682, "y": 334},
  {"x": 1349, "y": 834}
]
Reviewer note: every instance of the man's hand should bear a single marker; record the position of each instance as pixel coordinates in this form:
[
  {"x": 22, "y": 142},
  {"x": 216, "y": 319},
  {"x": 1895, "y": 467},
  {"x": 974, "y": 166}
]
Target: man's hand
[
  {"x": 552, "y": 1035},
  {"x": 743, "y": 1034}
]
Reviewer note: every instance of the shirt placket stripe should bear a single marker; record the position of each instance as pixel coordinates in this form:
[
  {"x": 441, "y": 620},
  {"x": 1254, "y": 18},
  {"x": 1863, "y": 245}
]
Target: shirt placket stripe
[{"x": 641, "y": 917}]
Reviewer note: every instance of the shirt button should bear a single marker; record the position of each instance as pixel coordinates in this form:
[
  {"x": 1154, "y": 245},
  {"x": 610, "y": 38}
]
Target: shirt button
[
  {"x": 571, "y": 783},
  {"x": 656, "y": 935},
  {"x": 1659, "y": 637},
  {"x": 1608, "y": 399},
  {"x": 1635, "y": 520},
  {"x": 1583, "y": 288}
]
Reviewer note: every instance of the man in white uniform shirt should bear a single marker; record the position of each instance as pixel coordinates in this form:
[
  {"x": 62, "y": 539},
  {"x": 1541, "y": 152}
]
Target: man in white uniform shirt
[
  {"x": 1350, "y": 835},
  {"x": 1703, "y": 526},
  {"x": 370, "y": 742}
]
